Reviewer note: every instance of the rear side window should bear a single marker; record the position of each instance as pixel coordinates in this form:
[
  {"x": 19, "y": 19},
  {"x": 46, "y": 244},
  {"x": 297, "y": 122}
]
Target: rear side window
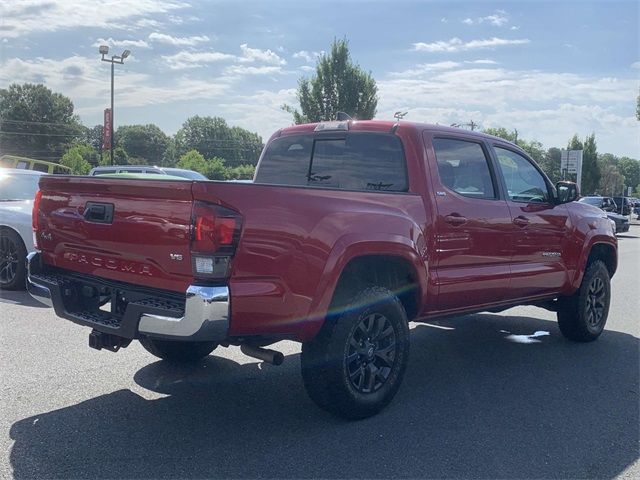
[
  {"x": 41, "y": 167},
  {"x": 355, "y": 161},
  {"x": 463, "y": 168}
]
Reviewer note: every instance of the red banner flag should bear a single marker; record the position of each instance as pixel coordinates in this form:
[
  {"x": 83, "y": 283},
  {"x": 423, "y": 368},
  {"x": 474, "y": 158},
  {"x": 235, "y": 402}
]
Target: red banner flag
[{"x": 106, "y": 131}]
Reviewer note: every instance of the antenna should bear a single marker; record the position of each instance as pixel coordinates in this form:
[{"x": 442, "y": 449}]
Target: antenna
[
  {"x": 399, "y": 115},
  {"x": 343, "y": 117}
]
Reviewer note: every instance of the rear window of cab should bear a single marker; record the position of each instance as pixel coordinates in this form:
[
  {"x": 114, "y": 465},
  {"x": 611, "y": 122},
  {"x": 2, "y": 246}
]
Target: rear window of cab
[{"x": 348, "y": 161}]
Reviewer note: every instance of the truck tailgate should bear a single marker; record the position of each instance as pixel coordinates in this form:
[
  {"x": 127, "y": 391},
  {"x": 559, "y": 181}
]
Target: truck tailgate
[{"x": 146, "y": 241}]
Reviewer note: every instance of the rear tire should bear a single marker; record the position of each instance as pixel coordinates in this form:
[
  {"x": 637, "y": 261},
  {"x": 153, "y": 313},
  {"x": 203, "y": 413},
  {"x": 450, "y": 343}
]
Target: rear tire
[
  {"x": 354, "y": 366},
  {"x": 177, "y": 351},
  {"x": 13, "y": 258},
  {"x": 582, "y": 316}
]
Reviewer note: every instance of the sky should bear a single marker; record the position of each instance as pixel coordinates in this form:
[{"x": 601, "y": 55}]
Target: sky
[{"x": 547, "y": 69}]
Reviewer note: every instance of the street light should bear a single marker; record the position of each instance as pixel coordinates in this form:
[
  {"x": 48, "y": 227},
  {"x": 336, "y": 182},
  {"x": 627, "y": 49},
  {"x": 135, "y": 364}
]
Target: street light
[{"x": 104, "y": 50}]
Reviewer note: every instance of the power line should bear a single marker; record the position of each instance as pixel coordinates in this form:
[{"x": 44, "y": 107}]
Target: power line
[{"x": 26, "y": 122}]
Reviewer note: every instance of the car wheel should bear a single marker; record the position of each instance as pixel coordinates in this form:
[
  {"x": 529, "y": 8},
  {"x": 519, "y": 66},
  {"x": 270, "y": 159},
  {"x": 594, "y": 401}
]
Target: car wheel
[
  {"x": 178, "y": 351},
  {"x": 13, "y": 257},
  {"x": 354, "y": 366},
  {"x": 582, "y": 316}
]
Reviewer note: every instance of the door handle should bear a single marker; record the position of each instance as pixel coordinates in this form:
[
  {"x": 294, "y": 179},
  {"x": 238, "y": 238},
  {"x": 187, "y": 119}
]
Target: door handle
[
  {"x": 455, "y": 219},
  {"x": 98, "y": 212},
  {"x": 521, "y": 221}
]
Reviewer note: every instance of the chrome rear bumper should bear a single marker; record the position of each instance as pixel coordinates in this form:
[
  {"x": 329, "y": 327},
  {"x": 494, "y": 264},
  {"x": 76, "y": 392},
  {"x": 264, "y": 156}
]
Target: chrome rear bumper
[{"x": 204, "y": 316}]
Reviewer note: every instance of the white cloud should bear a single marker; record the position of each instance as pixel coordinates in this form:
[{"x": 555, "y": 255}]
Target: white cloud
[
  {"x": 457, "y": 45},
  {"x": 514, "y": 27},
  {"x": 482, "y": 61},
  {"x": 635, "y": 65},
  {"x": 148, "y": 23},
  {"x": 256, "y": 55},
  {"x": 30, "y": 16},
  {"x": 186, "y": 59},
  {"x": 235, "y": 70},
  {"x": 443, "y": 20},
  {"x": 121, "y": 43},
  {"x": 498, "y": 19},
  {"x": 547, "y": 106},
  {"x": 307, "y": 68},
  {"x": 259, "y": 112},
  {"x": 178, "y": 41},
  {"x": 86, "y": 82},
  {"x": 308, "y": 56},
  {"x": 423, "y": 68}
]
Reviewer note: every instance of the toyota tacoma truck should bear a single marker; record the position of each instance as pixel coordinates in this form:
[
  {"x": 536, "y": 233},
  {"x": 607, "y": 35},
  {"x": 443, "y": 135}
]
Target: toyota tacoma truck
[{"x": 350, "y": 230}]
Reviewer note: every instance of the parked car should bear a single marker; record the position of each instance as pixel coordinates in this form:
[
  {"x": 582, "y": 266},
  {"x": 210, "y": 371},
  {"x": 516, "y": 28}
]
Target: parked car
[
  {"x": 23, "y": 163},
  {"x": 17, "y": 190},
  {"x": 622, "y": 205},
  {"x": 350, "y": 231},
  {"x": 607, "y": 204},
  {"x": 176, "y": 172}
]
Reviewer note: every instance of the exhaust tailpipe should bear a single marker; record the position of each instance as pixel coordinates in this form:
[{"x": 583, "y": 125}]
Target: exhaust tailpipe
[{"x": 264, "y": 354}]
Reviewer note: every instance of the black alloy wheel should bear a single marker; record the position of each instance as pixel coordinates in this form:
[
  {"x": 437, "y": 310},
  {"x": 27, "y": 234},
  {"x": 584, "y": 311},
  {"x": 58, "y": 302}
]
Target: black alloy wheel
[
  {"x": 355, "y": 364},
  {"x": 583, "y": 315},
  {"x": 371, "y": 353},
  {"x": 12, "y": 260},
  {"x": 596, "y": 303}
]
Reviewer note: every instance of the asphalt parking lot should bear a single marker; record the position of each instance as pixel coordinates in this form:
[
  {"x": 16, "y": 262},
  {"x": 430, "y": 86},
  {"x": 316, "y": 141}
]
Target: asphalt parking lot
[{"x": 485, "y": 396}]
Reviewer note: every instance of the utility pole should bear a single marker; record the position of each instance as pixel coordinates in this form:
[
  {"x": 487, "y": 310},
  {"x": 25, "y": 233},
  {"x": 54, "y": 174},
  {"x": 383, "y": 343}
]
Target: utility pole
[{"x": 104, "y": 50}]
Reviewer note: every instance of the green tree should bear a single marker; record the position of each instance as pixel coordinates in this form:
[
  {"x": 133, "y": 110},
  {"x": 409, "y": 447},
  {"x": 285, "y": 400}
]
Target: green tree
[
  {"x": 73, "y": 159},
  {"x": 630, "y": 168},
  {"x": 213, "y": 169},
  {"x": 501, "y": 133},
  {"x": 192, "y": 160},
  {"x": 144, "y": 143},
  {"x": 551, "y": 164},
  {"x": 590, "y": 169},
  {"x": 120, "y": 157},
  {"x": 213, "y": 138},
  {"x": 89, "y": 153},
  {"x": 242, "y": 172},
  {"x": 35, "y": 122},
  {"x": 338, "y": 85},
  {"x": 611, "y": 180}
]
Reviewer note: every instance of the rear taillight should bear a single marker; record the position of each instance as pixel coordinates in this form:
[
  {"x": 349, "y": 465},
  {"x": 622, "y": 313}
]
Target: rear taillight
[
  {"x": 35, "y": 217},
  {"x": 216, "y": 232}
]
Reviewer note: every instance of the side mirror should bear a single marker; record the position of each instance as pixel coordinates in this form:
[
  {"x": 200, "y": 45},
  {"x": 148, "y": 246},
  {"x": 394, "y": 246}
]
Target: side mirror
[{"x": 567, "y": 192}]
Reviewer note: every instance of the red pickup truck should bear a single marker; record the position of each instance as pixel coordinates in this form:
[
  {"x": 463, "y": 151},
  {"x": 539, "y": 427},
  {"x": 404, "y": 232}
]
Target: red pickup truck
[{"x": 349, "y": 231}]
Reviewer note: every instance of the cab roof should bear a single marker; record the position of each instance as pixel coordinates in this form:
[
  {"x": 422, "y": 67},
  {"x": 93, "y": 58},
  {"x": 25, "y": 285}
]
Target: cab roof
[{"x": 387, "y": 126}]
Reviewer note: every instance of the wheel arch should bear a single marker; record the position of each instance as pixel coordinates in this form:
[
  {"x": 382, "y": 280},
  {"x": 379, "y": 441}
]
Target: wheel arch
[
  {"x": 394, "y": 262},
  {"x": 598, "y": 249}
]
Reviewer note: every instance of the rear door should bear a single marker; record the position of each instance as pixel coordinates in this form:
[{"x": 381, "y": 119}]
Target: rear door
[
  {"x": 472, "y": 225},
  {"x": 540, "y": 228}
]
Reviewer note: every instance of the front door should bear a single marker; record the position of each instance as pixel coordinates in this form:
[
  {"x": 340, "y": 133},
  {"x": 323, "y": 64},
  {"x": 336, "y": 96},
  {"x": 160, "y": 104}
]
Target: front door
[
  {"x": 540, "y": 228},
  {"x": 472, "y": 226}
]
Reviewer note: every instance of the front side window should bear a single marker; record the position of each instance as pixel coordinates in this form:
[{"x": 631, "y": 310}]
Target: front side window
[
  {"x": 524, "y": 182},
  {"x": 355, "y": 161},
  {"x": 463, "y": 168}
]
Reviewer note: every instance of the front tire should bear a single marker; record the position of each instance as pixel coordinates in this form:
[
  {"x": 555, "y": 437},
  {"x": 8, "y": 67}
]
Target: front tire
[
  {"x": 13, "y": 258},
  {"x": 176, "y": 351},
  {"x": 582, "y": 316},
  {"x": 354, "y": 366}
]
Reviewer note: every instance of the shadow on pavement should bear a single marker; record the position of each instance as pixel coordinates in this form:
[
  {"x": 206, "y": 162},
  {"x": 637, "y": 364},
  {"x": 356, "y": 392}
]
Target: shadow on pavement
[
  {"x": 485, "y": 396},
  {"x": 19, "y": 297}
]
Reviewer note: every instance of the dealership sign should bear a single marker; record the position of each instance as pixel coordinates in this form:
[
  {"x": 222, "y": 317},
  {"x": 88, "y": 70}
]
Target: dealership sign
[{"x": 106, "y": 131}]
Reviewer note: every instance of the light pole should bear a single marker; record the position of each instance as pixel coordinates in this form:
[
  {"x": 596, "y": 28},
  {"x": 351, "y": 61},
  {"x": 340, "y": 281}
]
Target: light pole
[{"x": 104, "y": 50}]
